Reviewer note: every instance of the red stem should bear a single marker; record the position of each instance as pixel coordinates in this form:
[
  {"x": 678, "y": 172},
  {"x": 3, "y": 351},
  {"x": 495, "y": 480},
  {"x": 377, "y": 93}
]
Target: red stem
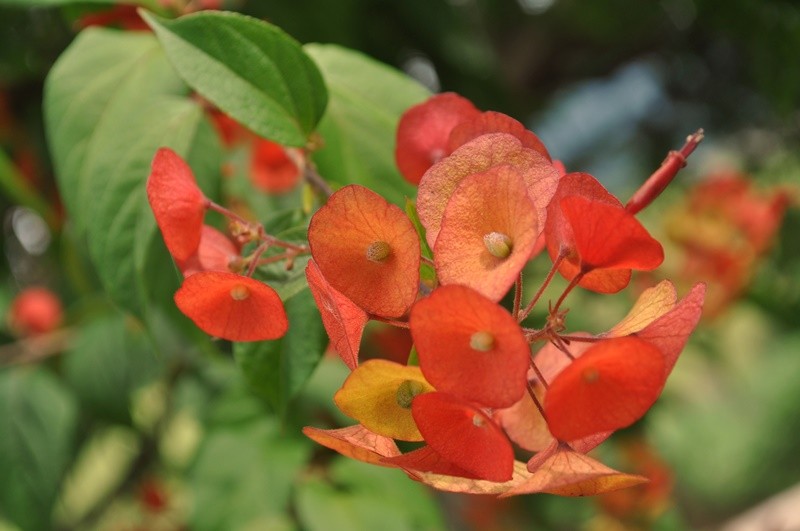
[
  {"x": 521, "y": 316},
  {"x": 661, "y": 178}
]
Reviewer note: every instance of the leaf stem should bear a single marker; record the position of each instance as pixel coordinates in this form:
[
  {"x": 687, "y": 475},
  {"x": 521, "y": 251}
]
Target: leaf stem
[{"x": 521, "y": 316}]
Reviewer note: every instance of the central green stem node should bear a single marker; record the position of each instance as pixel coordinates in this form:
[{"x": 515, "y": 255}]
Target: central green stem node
[
  {"x": 498, "y": 244},
  {"x": 378, "y": 251},
  {"x": 406, "y": 392},
  {"x": 482, "y": 341},
  {"x": 239, "y": 292}
]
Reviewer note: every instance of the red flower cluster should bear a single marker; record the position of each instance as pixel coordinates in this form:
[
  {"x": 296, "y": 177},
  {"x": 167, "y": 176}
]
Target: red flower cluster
[
  {"x": 221, "y": 301},
  {"x": 488, "y": 192}
]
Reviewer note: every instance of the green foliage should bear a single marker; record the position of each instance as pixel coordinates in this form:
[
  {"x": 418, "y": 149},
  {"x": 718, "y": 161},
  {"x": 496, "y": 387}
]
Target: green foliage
[
  {"x": 358, "y": 129},
  {"x": 38, "y": 420},
  {"x": 251, "y": 70}
]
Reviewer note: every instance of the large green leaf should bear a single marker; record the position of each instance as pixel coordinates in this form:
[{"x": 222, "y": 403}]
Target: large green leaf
[
  {"x": 277, "y": 370},
  {"x": 250, "y": 69},
  {"x": 367, "y": 99},
  {"x": 37, "y": 427},
  {"x": 110, "y": 359},
  {"x": 111, "y": 101}
]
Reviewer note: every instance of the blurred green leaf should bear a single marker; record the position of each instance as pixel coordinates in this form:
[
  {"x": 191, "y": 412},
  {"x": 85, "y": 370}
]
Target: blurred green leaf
[
  {"x": 358, "y": 129},
  {"x": 250, "y": 69},
  {"x": 277, "y": 370},
  {"x": 111, "y": 101},
  {"x": 37, "y": 429},
  {"x": 243, "y": 475},
  {"x": 108, "y": 361},
  {"x": 365, "y": 497}
]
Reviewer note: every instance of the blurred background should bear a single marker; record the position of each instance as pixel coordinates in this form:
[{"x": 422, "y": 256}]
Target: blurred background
[{"x": 98, "y": 432}]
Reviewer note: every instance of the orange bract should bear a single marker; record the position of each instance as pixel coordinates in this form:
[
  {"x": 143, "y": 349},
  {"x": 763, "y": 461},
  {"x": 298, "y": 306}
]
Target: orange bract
[
  {"x": 356, "y": 442},
  {"x": 216, "y": 252},
  {"x": 470, "y": 347},
  {"x": 368, "y": 250},
  {"x": 609, "y": 387},
  {"x": 488, "y": 231},
  {"x": 271, "y": 168},
  {"x": 477, "y": 156},
  {"x": 464, "y": 435},
  {"x": 343, "y": 320},
  {"x": 423, "y": 132},
  {"x": 232, "y": 307},
  {"x": 178, "y": 204},
  {"x": 494, "y": 122}
]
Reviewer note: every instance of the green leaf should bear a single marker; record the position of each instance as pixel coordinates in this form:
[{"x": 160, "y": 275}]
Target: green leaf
[
  {"x": 110, "y": 358},
  {"x": 111, "y": 101},
  {"x": 37, "y": 428},
  {"x": 277, "y": 370},
  {"x": 365, "y": 497},
  {"x": 243, "y": 476},
  {"x": 250, "y": 69},
  {"x": 367, "y": 99}
]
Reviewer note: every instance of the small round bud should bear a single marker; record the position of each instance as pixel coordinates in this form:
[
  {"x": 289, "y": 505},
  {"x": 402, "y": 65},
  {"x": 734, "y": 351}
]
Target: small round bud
[
  {"x": 239, "y": 292},
  {"x": 477, "y": 420},
  {"x": 482, "y": 341},
  {"x": 406, "y": 392},
  {"x": 378, "y": 251},
  {"x": 498, "y": 244}
]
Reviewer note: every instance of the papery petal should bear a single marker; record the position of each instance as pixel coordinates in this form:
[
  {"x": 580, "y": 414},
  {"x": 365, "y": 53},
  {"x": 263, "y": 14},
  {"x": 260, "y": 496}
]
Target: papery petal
[
  {"x": 370, "y": 395},
  {"x": 495, "y": 202},
  {"x": 232, "y": 307},
  {"x": 443, "y": 326},
  {"x": 426, "y": 459},
  {"x": 343, "y": 320},
  {"x": 423, "y": 132},
  {"x": 651, "y": 304},
  {"x": 477, "y": 156},
  {"x": 356, "y": 442},
  {"x": 340, "y": 235},
  {"x": 569, "y": 473},
  {"x": 215, "y": 252},
  {"x": 464, "y": 435},
  {"x": 177, "y": 202},
  {"x": 609, "y": 387},
  {"x": 451, "y": 483},
  {"x": 494, "y": 122}
]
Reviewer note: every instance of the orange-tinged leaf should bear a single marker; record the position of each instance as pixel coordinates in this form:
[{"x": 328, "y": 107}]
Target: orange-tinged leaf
[
  {"x": 343, "y": 320},
  {"x": 368, "y": 250},
  {"x": 569, "y": 473},
  {"x": 609, "y": 387},
  {"x": 356, "y": 442},
  {"x": 477, "y": 156},
  {"x": 232, "y": 307},
  {"x": 524, "y": 425},
  {"x": 670, "y": 332},
  {"x": 464, "y": 435},
  {"x": 470, "y": 347},
  {"x": 373, "y": 393},
  {"x": 609, "y": 237},
  {"x": 494, "y": 122},
  {"x": 216, "y": 252},
  {"x": 474, "y": 486},
  {"x": 177, "y": 202},
  {"x": 423, "y": 132},
  {"x": 488, "y": 232},
  {"x": 651, "y": 304}
]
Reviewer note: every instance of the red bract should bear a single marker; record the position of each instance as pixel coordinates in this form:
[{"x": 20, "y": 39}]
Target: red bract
[
  {"x": 368, "y": 250},
  {"x": 232, "y": 307},
  {"x": 343, "y": 320},
  {"x": 470, "y": 347},
  {"x": 271, "y": 168},
  {"x": 611, "y": 386},
  {"x": 178, "y": 204},
  {"x": 464, "y": 435},
  {"x": 423, "y": 132},
  {"x": 477, "y": 156},
  {"x": 216, "y": 252},
  {"x": 489, "y": 229},
  {"x": 494, "y": 122},
  {"x": 35, "y": 311},
  {"x": 426, "y": 459},
  {"x": 608, "y": 237}
]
